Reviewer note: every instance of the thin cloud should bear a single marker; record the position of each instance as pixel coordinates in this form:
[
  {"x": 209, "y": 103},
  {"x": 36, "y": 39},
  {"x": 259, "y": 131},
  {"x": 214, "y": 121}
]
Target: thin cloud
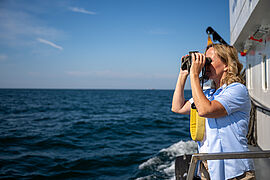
[
  {"x": 49, "y": 43},
  {"x": 81, "y": 10},
  {"x": 17, "y": 28},
  {"x": 3, "y": 57}
]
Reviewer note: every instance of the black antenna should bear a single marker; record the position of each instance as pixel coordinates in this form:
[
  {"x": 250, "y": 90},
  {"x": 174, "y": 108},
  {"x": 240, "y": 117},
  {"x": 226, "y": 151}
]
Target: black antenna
[{"x": 215, "y": 35}]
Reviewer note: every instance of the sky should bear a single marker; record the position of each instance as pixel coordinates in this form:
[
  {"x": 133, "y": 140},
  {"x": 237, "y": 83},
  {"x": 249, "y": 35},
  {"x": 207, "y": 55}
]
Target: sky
[{"x": 103, "y": 44}]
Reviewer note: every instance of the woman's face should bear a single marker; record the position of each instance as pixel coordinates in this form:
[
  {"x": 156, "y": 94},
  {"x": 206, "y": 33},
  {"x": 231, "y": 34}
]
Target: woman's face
[{"x": 217, "y": 68}]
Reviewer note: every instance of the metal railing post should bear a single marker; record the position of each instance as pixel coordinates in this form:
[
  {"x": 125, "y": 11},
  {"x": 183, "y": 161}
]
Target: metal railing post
[
  {"x": 192, "y": 167},
  {"x": 218, "y": 156}
]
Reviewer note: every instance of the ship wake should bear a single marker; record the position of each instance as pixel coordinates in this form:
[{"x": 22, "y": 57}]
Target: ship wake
[{"x": 162, "y": 165}]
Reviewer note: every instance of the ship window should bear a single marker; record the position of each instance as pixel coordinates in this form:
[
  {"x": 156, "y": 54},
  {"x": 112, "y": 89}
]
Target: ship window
[{"x": 264, "y": 73}]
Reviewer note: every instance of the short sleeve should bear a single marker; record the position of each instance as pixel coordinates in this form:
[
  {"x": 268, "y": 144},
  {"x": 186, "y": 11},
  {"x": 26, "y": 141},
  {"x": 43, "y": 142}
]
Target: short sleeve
[
  {"x": 234, "y": 98},
  {"x": 207, "y": 93},
  {"x": 191, "y": 100}
]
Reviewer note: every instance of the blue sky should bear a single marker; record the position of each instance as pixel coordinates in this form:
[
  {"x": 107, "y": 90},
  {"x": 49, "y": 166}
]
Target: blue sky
[{"x": 103, "y": 44}]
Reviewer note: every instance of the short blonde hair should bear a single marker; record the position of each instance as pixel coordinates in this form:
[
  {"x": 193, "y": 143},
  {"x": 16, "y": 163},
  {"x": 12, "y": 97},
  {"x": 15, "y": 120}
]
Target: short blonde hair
[{"x": 228, "y": 54}]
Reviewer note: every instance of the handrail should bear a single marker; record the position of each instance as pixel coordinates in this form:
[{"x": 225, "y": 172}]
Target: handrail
[
  {"x": 261, "y": 107},
  {"x": 228, "y": 155}
]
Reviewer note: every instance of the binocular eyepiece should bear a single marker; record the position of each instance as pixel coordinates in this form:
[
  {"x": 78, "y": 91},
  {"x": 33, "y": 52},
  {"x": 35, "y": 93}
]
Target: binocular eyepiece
[{"x": 187, "y": 61}]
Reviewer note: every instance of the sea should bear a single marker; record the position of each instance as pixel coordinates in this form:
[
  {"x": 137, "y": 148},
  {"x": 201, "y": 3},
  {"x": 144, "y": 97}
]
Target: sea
[{"x": 91, "y": 134}]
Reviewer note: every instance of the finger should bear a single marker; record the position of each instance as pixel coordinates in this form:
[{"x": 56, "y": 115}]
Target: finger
[
  {"x": 198, "y": 55},
  {"x": 193, "y": 57},
  {"x": 183, "y": 57},
  {"x": 203, "y": 58}
]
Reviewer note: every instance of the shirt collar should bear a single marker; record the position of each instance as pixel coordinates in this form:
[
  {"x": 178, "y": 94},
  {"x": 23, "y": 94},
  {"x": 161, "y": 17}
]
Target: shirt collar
[
  {"x": 224, "y": 86},
  {"x": 221, "y": 88}
]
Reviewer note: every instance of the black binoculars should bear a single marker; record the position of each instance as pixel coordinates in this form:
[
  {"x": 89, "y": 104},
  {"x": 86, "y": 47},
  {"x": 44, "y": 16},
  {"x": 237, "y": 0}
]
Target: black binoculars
[{"x": 187, "y": 61}]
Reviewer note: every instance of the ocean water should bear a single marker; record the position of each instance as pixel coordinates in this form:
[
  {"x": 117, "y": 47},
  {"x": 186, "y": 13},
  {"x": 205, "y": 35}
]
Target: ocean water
[{"x": 90, "y": 134}]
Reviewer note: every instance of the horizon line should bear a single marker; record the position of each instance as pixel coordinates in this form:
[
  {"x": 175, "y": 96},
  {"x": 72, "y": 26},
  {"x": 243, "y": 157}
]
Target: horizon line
[{"x": 87, "y": 89}]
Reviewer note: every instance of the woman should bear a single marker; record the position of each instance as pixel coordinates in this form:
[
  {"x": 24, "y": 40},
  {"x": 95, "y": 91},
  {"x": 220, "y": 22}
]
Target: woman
[{"x": 225, "y": 108}]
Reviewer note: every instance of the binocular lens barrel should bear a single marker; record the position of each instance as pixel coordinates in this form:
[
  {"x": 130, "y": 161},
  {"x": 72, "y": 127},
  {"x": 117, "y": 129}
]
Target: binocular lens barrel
[{"x": 187, "y": 61}]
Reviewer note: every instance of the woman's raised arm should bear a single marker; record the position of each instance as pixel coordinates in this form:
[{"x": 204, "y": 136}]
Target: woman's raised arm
[{"x": 179, "y": 104}]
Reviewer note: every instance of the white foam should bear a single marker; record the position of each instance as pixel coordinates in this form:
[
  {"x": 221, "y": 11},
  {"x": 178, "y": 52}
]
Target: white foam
[
  {"x": 180, "y": 148},
  {"x": 145, "y": 178},
  {"x": 167, "y": 167},
  {"x": 169, "y": 170},
  {"x": 150, "y": 162},
  {"x": 175, "y": 150}
]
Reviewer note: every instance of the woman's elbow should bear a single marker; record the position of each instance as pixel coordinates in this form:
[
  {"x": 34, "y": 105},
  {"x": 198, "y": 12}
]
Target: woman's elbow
[
  {"x": 212, "y": 114},
  {"x": 179, "y": 111},
  {"x": 174, "y": 110},
  {"x": 203, "y": 113}
]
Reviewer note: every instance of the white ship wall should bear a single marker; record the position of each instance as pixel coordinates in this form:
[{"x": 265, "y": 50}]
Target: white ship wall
[
  {"x": 240, "y": 11},
  {"x": 245, "y": 17},
  {"x": 256, "y": 80},
  {"x": 263, "y": 133}
]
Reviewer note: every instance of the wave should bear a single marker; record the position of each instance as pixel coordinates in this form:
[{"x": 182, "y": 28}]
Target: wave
[
  {"x": 162, "y": 165},
  {"x": 98, "y": 134}
]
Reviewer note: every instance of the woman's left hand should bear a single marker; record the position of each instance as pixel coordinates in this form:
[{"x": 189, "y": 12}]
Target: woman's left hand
[{"x": 198, "y": 61}]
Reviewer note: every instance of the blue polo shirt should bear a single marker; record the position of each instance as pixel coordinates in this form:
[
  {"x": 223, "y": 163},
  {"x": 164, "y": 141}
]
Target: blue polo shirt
[{"x": 228, "y": 133}]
